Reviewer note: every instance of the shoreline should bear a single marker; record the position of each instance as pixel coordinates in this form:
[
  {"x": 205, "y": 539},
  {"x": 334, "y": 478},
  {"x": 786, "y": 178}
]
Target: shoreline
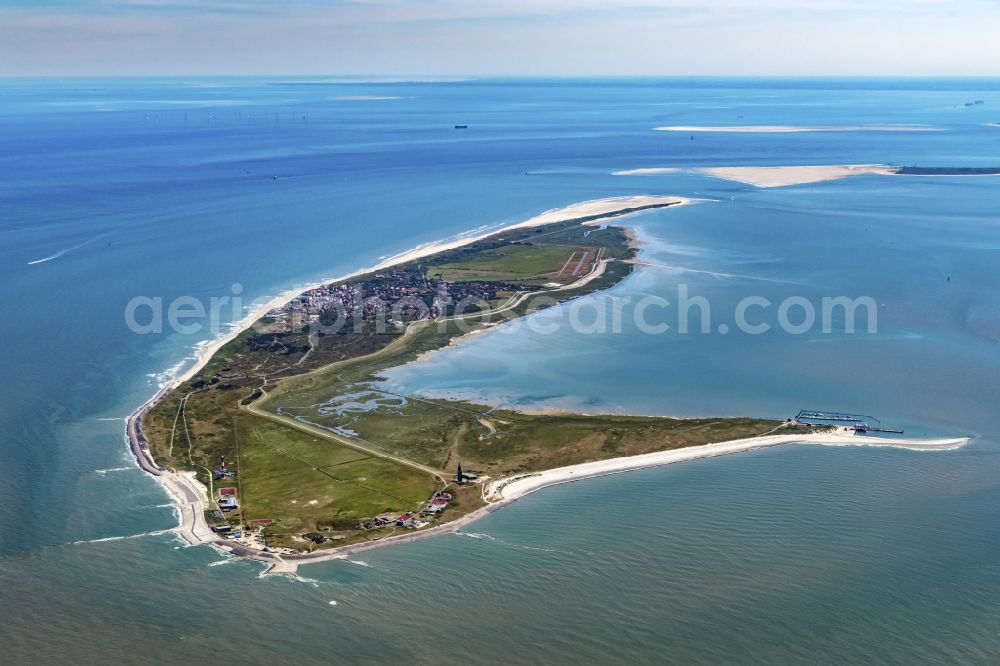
[
  {"x": 774, "y": 176},
  {"x": 787, "y": 175},
  {"x": 191, "y": 497},
  {"x": 784, "y": 176},
  {"x": 503, "y": 492},
  {"x": 585, "y": 211},
  {"x": 786, "y": 129},
  {"x": 513, "y": 488}
]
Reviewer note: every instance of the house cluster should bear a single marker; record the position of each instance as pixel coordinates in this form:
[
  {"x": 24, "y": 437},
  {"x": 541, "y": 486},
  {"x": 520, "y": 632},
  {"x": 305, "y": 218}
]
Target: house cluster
[
  {"x": 436, "y": 504},
  {"x": 227, "y": 496},
  {"x": 364, "y": 297},
  {"x": 455, "y": 294},
  {"x": 249, "y": 534},
  {"x": 410, "y": 520},
  {"x": 320, "y": 539},
  {"x": 227, "y": 499},
  {"x": 407, "y": 293},
  {"x": 221, "y": 525},
  {"x": 225, "y": 502},
  {"x": 405, "y": 520},
  {"x": 402, "y": 520}
]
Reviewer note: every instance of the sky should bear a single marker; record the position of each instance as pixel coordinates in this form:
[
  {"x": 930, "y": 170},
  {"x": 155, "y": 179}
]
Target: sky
[{"x": 495, "y": 38}]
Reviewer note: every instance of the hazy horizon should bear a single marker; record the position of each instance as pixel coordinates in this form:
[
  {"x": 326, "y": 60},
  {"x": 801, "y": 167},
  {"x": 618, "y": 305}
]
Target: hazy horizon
[
  {"x": 430, "y": 77},
  {"x": 455, "y": 38}
]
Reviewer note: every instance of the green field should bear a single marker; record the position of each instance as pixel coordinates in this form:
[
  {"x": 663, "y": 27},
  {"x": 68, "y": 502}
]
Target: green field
[
  {"x": 442, "y": 433},
  {"x": 304, "y": 482},
  {"x": 330, "y": 472},
  {"x": 534, "y": 264}
]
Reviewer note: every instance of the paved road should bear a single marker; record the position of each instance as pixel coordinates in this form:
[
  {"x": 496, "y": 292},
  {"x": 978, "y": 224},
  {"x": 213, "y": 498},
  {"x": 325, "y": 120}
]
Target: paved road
[
  {"x": 356, "y": 444},
  {"x": 137, "y": 440}
]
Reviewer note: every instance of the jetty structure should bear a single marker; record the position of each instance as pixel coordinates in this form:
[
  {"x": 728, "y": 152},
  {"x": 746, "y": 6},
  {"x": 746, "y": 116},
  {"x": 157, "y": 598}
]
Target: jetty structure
[{"x": 856, "y": 422}]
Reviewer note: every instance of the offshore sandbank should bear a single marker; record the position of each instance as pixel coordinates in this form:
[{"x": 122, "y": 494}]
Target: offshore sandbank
[
  {"x": 773, "y": 176},
  {"x": 783, "y": 176},
  {"x": 784, "y": 129}
]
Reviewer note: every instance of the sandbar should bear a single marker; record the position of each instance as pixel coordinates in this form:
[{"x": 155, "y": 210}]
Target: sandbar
[
  {"x": 786, "y": 129},
  {"x": 646, "y": 172},
  {"x": 511, "y": 488},
  {"x": 781, "y": 176}
]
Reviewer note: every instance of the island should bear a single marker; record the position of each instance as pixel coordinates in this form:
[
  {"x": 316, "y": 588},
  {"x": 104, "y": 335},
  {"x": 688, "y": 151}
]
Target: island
[
  {"x": 782, "y": 176},
  {"x": 285, "y": 445}
]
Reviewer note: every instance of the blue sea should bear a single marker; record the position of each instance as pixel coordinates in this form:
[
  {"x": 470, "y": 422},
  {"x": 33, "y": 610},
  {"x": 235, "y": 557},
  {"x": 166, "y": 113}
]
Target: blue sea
[{"x": 113, "y": 189}]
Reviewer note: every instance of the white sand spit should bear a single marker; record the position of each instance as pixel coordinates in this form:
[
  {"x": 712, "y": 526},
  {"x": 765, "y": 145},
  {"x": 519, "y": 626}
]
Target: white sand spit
[
  {"x": 584, "y": 209},
  {"x": 781, "y": 176},
  {"x": 511, "y": 488},
  {"x": 783, "y": 129},
  {"x": 649, "y": 171}
]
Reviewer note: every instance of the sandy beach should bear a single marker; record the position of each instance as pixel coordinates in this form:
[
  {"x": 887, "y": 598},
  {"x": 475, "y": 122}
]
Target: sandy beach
[
  {"x": 504, "y": 491},
  {"x": 649, "y": 171},
  {"x": 782, "y": 129},
  {"x": 514, "y": 487},
  {"x": 781, "y": 176},
  {"x": 611, "y": 206},
  {"x": 775, "y": 176}
]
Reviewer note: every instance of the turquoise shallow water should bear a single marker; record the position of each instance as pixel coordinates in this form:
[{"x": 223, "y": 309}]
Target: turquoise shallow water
[
  {"x": 825, "y": 554},
  {"x": 929, "y": 266},
  {"x": 165, "y": 188}
]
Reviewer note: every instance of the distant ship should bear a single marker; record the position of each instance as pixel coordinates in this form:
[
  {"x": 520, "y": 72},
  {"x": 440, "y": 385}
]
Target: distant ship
[{"x": 461, "y": 127}]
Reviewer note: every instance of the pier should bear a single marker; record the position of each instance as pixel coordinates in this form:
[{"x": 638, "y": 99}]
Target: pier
[{"x": 857, "y": 422}]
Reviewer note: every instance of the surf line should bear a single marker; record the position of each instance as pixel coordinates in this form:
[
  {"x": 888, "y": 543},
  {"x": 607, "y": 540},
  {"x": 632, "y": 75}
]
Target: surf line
[{"x": 122, "y": 538}]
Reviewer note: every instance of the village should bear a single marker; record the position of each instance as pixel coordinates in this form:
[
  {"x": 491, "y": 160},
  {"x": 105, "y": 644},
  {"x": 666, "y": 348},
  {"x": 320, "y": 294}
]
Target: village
[{"x": 403, "y": 294}]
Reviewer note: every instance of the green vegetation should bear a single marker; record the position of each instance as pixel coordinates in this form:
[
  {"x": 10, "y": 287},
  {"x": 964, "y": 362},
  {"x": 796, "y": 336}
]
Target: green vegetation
[
  {"x": 525, "y": 264},
  {"x": 306, "y": 483},
  {"x": 560, "y": 253},
  {"x": 319, "y": 448},
  {"x": 441, "y": 433}
]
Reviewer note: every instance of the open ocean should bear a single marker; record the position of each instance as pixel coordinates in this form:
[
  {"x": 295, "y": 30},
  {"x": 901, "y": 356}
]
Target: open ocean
[{"x": 111, "y": 189}]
